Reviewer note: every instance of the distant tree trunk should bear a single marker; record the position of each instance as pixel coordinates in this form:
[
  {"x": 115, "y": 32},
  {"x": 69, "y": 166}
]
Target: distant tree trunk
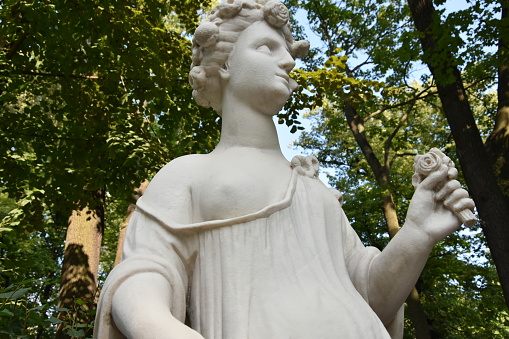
[
  {"x": 123, "y": 229},
  {"x": 497, "y": 144},
  {"x": 49, "y": 286},
  {"x": 492, "y": 205},
  {"x": 415, "y": 313},
  {"x": 46, "y": 293},
  {"x": 381, "y": 172},
  {"x": 81, "y": 260}
]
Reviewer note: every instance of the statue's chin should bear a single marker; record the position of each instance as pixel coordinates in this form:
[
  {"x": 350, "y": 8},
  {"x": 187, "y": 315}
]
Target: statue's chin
[{"x": 275, "y": 105}]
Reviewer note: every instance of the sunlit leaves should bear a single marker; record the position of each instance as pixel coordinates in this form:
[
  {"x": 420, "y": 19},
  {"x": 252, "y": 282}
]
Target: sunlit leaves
[
  {"x": 97, "y": 95},
  {"x": 382, "y": 77},
  {"x": 93, "y": 96}
]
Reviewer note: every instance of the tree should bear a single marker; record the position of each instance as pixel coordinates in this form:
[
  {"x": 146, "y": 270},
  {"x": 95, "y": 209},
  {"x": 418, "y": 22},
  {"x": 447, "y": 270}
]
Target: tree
[
  {"x": 459, "y": 283},
  {"x": 364, "y": 75},
  {"x": 342, "y": 28},
  {"x": 29, "y": 275},
  {"x": 130, "y": 210},
  {"x": 94, "y": 99},
  {"x": 484, "y": 167}
]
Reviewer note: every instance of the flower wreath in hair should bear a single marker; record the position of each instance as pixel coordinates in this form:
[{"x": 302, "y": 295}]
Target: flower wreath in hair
[
  {"x": 275, "y": 13},
  {"x": 207, "y": 34}
]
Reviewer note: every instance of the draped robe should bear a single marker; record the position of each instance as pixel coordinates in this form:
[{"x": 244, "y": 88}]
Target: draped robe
[{"x": 294, "y": 269}]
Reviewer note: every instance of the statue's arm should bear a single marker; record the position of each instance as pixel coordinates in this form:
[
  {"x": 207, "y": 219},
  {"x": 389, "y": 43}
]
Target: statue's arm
[
  {"x": 141, "y": 309},
  {"x": 394, "y": 272},
  {"x": 142, "y": 304}
]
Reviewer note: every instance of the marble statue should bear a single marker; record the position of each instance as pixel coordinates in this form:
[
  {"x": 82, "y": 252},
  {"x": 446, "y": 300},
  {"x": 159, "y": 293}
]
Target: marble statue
[{"x": 241, "y": 243}]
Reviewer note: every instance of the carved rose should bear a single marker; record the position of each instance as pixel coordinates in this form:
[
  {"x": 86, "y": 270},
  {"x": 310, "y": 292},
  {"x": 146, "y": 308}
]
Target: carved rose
[
  {"x": 306, "y": 165},
  {"x": 229, "y": 8},
  {"x": 424, "y": 165},
  {"x": 206, "y": 34},
  {"x": 300, "y": 49},
  {"x": 197, "y": 56},
  {"x": 201, "y": 99},
  {"x": 276, "y": 13},
  {"x": 198, "y": 78}
]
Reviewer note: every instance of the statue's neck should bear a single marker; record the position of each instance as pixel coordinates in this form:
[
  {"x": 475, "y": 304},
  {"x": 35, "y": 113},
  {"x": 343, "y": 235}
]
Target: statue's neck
[{"x": 245, "y": 127}]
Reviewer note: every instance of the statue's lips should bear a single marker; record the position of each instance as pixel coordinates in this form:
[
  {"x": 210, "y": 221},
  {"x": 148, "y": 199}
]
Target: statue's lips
[{"x": 284, "y": 76}]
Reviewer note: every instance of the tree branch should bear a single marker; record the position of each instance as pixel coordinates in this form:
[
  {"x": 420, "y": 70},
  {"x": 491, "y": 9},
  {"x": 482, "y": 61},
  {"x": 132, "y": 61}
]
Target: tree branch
[
  {"x": 15, "y": 46},
  {"x": 410, "y": 101},
  {"x": 492, "y": 205},
  {"x": 56, "y": 75},
  {"x": 388, "y": 143},
  {"x": 35, "y": 135}
]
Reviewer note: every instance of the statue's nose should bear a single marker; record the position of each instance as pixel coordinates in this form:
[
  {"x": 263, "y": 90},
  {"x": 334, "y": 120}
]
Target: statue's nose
[{"x": 287, "y": 63}]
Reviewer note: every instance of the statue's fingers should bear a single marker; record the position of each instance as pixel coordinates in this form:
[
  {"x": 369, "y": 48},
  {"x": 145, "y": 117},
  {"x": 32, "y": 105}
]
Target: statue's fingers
[
  {"x": 446, "y": 160},
  {"x": 452, "y": 173},
  {"x": 447, "y": 189},
  {"x": 455, "y": 197},
  {"x": 463, "y": 204},
  {"x": 435, "y": 178}
]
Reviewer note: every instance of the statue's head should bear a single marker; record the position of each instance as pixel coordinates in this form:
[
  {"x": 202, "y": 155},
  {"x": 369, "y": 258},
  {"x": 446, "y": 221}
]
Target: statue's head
[{"x": 217, "y": 35}]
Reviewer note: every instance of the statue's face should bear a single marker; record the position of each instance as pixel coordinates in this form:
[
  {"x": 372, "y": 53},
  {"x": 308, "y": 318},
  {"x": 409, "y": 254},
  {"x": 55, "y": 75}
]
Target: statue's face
[{"x": 258, "y": 68}]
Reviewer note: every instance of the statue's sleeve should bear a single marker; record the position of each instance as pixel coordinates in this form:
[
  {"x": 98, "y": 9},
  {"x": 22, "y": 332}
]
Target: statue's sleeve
[
  {"x": 358, "y": 260},
  {"x": 149, "y": 247}
]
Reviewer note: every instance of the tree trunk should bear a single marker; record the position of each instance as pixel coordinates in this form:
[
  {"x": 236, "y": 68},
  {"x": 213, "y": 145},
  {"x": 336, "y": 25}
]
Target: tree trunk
[
  {"x": 416, "y": 315},
  {"x": 81, "y": 263},
  {"x": 46, "y": 294},
  {"x": 497, "y": 144},
  {"x": 381, "y": 172},
  {"x": 492, "y": 205},
  {"x": 123, "y": 229}
]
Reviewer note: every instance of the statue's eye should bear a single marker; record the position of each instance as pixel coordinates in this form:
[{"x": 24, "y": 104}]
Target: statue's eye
[{"x": 264, "y": 49}]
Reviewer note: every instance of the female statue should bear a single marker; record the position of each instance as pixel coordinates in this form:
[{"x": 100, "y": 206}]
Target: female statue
[{"x": 240, "y": 243}]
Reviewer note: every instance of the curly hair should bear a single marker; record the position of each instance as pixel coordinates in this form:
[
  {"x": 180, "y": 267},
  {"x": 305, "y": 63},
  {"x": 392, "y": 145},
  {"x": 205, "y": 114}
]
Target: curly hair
[{"x": 216, "y": 36}]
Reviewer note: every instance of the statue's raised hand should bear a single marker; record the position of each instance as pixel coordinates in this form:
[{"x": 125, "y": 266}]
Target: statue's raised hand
[{"x": 439, "y": 200}]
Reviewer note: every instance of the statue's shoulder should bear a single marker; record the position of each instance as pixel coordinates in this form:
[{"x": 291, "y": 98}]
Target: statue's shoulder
[
  {"x": 178, "y": 173},
  {"x": 169, "y": 192},
  {"x": 182, "y": 166}
]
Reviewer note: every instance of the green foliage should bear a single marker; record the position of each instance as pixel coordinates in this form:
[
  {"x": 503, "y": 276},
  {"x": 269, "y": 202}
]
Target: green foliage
[
  {"x": 77, "y": 322},
  {"x": 336, "y": 148},
  {"x": 30, "y": 281},
  {"x": 16, "y": 313},
  {"x": 370, "y": 56},
  {"x": 468, "y": 39},
  {"x": 94, "y": 96},
  {"x": 459, "y": 288},
  {"x": 461, "y": 292},
  {"x": 29, "y": 275}
]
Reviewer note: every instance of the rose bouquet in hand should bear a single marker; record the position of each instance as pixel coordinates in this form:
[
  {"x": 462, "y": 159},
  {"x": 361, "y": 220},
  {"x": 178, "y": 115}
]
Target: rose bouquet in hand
[{"x": 426, "y": 164}]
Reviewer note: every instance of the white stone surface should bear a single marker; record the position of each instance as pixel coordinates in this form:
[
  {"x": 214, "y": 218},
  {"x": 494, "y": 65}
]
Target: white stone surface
[{"x": 243, "y": 243}]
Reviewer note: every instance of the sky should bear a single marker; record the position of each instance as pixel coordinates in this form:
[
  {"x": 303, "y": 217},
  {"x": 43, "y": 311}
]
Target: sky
[{"x": 286, "y": 139}]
